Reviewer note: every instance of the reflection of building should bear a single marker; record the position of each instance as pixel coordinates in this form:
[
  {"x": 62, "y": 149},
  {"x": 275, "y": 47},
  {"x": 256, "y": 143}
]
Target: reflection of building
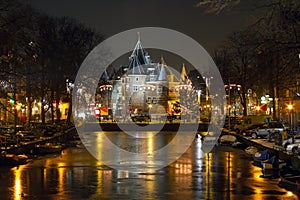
[{"x": 144, "y": 86}]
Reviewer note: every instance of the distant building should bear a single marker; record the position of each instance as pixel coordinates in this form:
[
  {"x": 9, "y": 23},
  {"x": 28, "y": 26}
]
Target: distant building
[{"x": 146, "y": 87}]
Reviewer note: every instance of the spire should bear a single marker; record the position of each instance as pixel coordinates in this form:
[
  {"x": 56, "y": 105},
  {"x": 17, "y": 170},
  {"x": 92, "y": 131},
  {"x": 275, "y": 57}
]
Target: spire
[
  {"x": 162, "y": 60},
  {"x": 162, "y": 75},
  {"x": 138, "y": 58},
  {"x": 139, "y": 36},
  {"x": 105, "y": 76},
  {"x": 167, "y": 72},
  {"x": 183, "y": 76},
  {"x": 184, "y": 79}
]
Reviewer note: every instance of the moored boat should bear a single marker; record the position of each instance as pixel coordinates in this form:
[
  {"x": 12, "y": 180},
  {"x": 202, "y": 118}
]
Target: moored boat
[
  {"x": 48, "y": 148},
  {"x": 290, "y": 179},
  {"x": 227, "y": 139},
  {"x": 12, "y": 159},
  {"x": 251, "y": 150},
  {"x": 266, "y": 160}
]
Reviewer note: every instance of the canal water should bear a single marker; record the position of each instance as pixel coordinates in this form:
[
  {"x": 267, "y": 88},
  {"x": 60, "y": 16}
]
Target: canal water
[{"x": 225, "y": 173}]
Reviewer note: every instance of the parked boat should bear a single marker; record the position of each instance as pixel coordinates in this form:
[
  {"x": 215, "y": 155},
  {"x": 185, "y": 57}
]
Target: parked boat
[
  {"x": 290, "y": 179},
  {"x": 227, "y": 139},
  {"x": 12, "y": 159},
  {"x": 267, "y": 161},
  {"x": 262, "y": 156},
  {"x": 251, "y": 150},
  {"x": 48, "y": 148}
]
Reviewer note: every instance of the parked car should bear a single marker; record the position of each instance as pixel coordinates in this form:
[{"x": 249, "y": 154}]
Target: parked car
[
  {"x": 295, "y": 139},
  {"x": 293, "y": 147},
  {"x": 141, "y": 118},
  {"x": 250, "y": 120},
  {"x": 247, "y": 131},
  {"x": 267, "y": 129}
]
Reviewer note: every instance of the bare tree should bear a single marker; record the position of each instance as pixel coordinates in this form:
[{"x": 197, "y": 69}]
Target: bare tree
[
  {"x": 38, "y": 53},
  {"x": 217, "y": 6},
  {"x": 269, "y": 48}
]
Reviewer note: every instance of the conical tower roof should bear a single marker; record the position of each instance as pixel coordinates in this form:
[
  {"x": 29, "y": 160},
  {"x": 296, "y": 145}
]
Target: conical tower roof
[
  {"x": 105, "y": 76},
  {"x": 184, "y": 79},
  {"x": 183, "y": 76},
  {"x": 162, "y": 74},
  {"x": 164, "y": 71},
  {"x": 138, "y": 58}
]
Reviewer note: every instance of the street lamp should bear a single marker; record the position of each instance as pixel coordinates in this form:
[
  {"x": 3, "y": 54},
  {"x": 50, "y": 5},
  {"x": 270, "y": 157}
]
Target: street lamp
[
  {"x": 257, "y": 109},
  {"x": 69, "y": 87},
  {"x": 290, "y": 108}
]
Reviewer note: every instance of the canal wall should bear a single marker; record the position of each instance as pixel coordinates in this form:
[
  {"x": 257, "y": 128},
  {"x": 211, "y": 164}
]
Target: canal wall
[
  {"x": 262, "y": 144},
  {"x": 26, "y": 148},
  {"x": 95, "y": 127}
]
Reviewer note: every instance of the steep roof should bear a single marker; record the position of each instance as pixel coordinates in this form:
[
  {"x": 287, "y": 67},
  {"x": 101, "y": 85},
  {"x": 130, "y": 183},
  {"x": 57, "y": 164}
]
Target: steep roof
[
  {"x": 184, "y": 79},
  {"x": 105, "y": 76},
  {"x": 183, "y": 75},
  {"x": 138, "y": 58},
  {"x": 164, "y": 71},
  {"x": 162, "y": 76}
]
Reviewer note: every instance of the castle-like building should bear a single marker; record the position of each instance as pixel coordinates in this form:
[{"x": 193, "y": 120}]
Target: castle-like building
[{"x": 147, "y": 87}]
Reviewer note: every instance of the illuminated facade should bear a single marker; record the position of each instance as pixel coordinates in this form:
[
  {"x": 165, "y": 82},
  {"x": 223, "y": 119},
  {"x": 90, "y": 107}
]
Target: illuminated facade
[{"x": 147, "y": 87}]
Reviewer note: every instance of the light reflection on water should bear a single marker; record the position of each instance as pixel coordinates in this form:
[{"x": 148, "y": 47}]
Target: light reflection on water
[
  {"x": 18, "y": 183},
  {"x": 225, "y": 173}
]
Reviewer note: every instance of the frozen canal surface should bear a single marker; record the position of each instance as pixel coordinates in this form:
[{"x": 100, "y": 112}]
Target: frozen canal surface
[{"x": 225, "y": 173}]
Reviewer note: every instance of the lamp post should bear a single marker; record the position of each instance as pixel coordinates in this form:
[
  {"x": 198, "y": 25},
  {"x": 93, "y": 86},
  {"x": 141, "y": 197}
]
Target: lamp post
[
  {"x": 69, "y": 88},
  {"x": 290, "y": 108}
]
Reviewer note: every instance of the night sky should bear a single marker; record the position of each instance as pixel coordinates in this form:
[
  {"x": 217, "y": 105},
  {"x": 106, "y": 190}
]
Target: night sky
[{"x": 113, "y": 16}]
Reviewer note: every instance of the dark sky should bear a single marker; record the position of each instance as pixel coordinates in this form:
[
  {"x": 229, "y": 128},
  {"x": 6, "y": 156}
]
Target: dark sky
[
  {"x": 110, "y": 17},
  {"x": 113, "y": 16}
]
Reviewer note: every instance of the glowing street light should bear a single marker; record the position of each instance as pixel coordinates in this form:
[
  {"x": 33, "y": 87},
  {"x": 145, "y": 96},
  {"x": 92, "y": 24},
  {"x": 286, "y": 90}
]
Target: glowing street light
[{"x": 290, "y": 108}]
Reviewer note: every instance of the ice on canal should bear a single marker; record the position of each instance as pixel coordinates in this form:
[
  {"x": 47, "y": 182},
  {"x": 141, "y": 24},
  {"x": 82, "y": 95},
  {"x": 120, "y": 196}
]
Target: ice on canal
[{"x": 225, "y": 173}]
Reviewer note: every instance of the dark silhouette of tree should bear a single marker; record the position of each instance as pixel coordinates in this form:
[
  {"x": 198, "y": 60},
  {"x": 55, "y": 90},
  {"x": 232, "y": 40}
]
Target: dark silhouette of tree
[
  {"x": 38, "y": 53},
  {"x": 65, "y": 44},
  {"x": 265, "y": 55}
]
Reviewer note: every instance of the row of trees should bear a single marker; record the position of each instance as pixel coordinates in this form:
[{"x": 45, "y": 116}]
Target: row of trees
[
  {"x": 264, "y": 57},
  {"x": 38, "y": 54}
]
